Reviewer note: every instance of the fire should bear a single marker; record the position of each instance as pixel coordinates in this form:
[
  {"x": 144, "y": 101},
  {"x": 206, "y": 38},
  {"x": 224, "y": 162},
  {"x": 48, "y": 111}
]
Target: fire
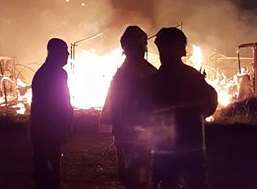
[
  {"x": 24, "y": 102},
  {"x": 91, "y": 76},
  {"x": 222, "y": 86},
  {"x": 197, "y": 57},
  {"x": 225, "y": 97}
]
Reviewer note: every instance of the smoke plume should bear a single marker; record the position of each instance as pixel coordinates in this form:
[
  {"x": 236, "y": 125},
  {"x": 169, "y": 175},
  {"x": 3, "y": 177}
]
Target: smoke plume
[{"x": 26, "y": 26}]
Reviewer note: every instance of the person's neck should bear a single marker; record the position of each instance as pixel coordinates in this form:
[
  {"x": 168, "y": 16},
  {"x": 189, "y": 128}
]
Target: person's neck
[
  {"x": 170, "y": 61},
  {"x": 51, "y": 62},
  {"x": 134, "y": 59}
]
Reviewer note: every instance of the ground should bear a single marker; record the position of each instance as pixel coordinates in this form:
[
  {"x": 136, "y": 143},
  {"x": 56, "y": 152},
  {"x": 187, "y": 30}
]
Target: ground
[
  {"x": 89, "y": 158},
  {"x": 88, "y": 161}
]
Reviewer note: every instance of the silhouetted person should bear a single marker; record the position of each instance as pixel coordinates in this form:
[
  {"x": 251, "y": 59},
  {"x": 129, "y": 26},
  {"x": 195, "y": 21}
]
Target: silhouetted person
[
  {"x": 183, "y": 94},
  {"x": 51, "y": 114},
  {"x": 123, "y": 102}
]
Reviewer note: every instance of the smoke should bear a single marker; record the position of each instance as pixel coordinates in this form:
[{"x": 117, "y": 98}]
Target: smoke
[
  {"x": 218, "y": 24},
  {"x": 26, "y": 26},
  {"x": 221, "y": 25}
]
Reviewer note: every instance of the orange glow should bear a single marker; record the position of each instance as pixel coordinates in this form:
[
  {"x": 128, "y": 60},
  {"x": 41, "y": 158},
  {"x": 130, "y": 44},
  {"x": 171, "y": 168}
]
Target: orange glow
[
  {"x": 90, "y": 79},
  {"x": 90, "y": 75},
  {"x": 221, "y": 86},
  {"x": 196, "y": 59}
]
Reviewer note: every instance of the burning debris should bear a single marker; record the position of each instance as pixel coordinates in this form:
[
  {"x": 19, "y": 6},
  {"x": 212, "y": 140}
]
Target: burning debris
[{"x": 241, "y": 112}]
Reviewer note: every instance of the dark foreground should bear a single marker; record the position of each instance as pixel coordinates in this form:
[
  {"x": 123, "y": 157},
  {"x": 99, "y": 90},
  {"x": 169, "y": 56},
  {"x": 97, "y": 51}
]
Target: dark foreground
[{"x": 89, "y": 160}]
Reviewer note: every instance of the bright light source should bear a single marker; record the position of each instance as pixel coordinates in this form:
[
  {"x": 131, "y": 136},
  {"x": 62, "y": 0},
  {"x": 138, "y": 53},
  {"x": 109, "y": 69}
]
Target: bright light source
[
  {"x": 197, "y": 57},
  {"x": 67, "y": 1},
  {"x": 83, "y": 4},
  {"x": 90, "y": 79}
]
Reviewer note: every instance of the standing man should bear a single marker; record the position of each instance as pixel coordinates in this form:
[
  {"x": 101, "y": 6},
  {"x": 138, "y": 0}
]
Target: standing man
[
  {"x": 123, "y": 101},
  {"x": 51, "y": 114},
  {"x": 183, "y": 91}
]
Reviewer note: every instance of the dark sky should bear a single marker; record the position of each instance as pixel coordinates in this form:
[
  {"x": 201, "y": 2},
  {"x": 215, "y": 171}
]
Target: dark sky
[{"x": 25, "y": 26}]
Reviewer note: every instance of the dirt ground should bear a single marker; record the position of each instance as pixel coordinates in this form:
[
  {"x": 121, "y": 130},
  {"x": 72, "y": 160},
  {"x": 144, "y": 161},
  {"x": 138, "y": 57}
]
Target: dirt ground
[
  {"x": 89, "y": 162},
  {"x": 89, "y": 159}
]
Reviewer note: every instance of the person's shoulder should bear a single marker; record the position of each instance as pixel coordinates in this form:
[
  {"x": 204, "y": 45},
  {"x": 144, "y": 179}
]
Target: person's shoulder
[
  {"x": 119, "y": 72},
  {"x": 118, "y": 76},
  {"x": 192, "y": 71},
  {"x": 60, "y": 72},
  {"x": 63, "y": 73},
  {"x": 38, "y": 74},
  {"x": 149, "y": 67}
]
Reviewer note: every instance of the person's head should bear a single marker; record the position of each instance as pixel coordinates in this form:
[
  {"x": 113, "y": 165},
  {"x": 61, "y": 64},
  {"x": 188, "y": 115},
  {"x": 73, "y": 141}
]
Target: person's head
[
  {"x": 171, "y": 43},
  {"x": 57, "y": 51},
  {"x": 134, "y": 42}
]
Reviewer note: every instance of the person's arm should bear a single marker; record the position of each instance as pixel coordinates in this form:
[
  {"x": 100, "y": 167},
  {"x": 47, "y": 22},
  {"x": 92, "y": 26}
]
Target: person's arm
[
  {"x": 209, "y": 98},
  {"x": 199, "y": 95},
  {"x": 66, "y": 111}
]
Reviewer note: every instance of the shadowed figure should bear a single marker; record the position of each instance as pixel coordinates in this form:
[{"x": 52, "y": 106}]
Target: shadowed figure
[
  {"x": 182, "y": 92},
  {"x": 122, "y": 103},
  {"x": 51, "y": 114}
]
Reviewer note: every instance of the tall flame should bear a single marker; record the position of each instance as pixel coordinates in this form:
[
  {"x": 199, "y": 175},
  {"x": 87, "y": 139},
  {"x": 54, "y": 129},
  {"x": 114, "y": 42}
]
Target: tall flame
[
  {"x": 90, "y": 78},
  {"x": 197, "y": 57}
]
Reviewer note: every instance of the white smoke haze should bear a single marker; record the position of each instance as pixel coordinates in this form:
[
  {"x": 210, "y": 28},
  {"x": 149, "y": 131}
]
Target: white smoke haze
[{"x": 26, "y": 26}]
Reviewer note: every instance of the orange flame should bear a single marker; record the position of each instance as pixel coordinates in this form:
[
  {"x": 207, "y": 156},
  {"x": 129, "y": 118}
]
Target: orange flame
[{"x": 90, "y": 79}]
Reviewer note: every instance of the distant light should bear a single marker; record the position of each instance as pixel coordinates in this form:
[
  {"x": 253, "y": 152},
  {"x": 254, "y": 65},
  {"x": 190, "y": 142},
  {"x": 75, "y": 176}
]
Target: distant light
[
  {"x": 67, "y": 1},
  {"x": 83, "y": 4}
]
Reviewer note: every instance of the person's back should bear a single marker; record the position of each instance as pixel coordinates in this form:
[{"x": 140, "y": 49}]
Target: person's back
[
  {"x": 183, "y": 89},
  {"x": 127, "y": 93},
  {"x": 51, "y": 114},
  {"x": 126, "y": 88},
  {"x": 50, "y": 108},
  {"x": 124, "y": 98},
  {"x": 181, "y": 93}
]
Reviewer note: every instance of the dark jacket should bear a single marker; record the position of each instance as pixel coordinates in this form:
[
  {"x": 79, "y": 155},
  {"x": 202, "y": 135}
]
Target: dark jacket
[
  {"x": 125, "y": 94},
  {"x": 181, "y": 91},
  {"x": 51, "y": 111}
]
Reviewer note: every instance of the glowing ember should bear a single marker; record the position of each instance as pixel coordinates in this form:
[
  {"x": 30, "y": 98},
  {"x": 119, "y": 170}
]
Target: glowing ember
[{"x": 90, "y": 78}]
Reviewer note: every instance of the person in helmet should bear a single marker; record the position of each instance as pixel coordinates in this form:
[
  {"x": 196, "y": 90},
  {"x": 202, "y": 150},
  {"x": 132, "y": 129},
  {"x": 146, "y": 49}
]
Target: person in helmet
[
  {"x": 51, "y": 114},
  {"x": 123, "y": 101},
  {"x": 182, "y": 92}
]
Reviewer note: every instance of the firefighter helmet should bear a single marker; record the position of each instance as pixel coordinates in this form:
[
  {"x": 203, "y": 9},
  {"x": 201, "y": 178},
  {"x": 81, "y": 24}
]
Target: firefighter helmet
[
  {"x": 132, "y": 36},
  {"x": 168, "y": 36}
]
